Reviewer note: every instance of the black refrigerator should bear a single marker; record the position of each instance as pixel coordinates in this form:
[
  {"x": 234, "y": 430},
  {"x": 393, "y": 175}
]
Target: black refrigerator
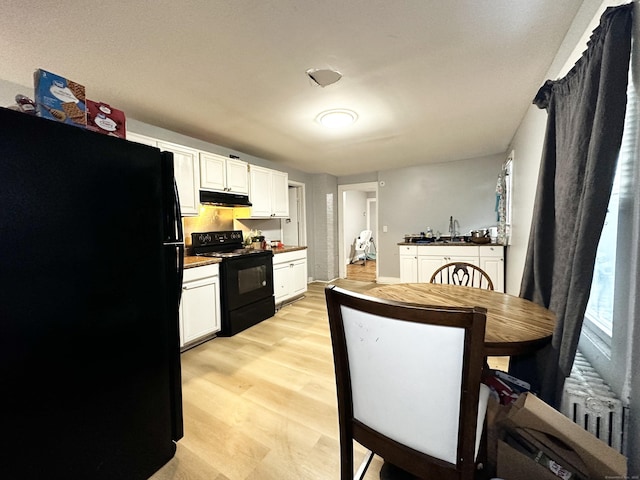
[{"x": 90, "y": 278}]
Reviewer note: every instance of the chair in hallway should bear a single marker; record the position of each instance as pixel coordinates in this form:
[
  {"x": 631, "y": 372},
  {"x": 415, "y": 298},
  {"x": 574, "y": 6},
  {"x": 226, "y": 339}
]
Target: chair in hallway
[
  {"x": 362, "y": 247},
  {"x": 462, "y": 273},
  {"x": 408, "y": 384}
]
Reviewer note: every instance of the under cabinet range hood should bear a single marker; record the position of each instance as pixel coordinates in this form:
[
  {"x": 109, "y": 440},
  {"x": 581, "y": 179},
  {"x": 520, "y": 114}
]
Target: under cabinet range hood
[{"x": 224, "y": 199}]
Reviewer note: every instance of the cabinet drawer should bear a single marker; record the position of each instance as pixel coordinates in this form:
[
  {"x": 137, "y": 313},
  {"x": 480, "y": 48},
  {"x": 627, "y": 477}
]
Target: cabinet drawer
[
  {"x": 196, "y": 273},
  {"x": 288, "y": 257},
  {"x": 449, "y": 251},
  {"x": 408, "y": 250},
  {"x": 492, "y": 251}
]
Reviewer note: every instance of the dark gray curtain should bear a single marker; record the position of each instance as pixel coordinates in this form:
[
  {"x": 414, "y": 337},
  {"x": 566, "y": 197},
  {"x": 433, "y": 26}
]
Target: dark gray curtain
[{"x": 584, "y": 130}]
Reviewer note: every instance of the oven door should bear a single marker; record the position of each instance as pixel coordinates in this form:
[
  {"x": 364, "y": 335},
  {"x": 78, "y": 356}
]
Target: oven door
[{"x": 247, "y": 279}]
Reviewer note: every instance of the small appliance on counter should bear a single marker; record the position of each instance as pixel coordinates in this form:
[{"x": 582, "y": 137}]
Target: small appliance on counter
[{"x": 246, "y": 279}]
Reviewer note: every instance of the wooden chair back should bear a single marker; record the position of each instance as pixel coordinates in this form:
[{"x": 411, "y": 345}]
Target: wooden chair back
[
  {"x": 408, "y": 383},
  {"x": 464, "y": 274}
]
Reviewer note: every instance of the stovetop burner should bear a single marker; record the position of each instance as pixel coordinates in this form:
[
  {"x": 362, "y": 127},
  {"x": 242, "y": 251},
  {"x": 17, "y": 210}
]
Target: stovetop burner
[
  {"x": 235, "y": 253},
  {"x": 222, "y": 244}
]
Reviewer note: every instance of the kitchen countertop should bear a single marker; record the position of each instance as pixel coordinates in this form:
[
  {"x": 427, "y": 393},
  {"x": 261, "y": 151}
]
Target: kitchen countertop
[
  {"x": 287, "y": 248},
  {"x": 191, "y": 261},
  {"x": 452, "y": 244}
]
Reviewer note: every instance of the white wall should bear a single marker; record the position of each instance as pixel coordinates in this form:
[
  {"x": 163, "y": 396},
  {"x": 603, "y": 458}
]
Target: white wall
[
  {"x": 414, "y": 198},
  {"x": 527, "y": 146}
]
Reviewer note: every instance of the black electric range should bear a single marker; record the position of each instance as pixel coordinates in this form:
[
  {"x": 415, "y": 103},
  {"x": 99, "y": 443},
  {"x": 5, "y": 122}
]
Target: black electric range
[{"x": 246, "y": 279}]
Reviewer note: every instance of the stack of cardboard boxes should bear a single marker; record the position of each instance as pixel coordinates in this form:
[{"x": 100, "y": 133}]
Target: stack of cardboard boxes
[
  {"x": 63, "y": 100},
  {"x": 536, "y": 442}
]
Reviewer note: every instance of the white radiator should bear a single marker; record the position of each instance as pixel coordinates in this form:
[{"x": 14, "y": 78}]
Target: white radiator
[{"x": 589, "y": 402}]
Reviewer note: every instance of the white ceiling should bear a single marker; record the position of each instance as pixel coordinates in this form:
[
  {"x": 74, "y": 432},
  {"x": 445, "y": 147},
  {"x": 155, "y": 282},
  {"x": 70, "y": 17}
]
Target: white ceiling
[{"x": 431, "y": 80}]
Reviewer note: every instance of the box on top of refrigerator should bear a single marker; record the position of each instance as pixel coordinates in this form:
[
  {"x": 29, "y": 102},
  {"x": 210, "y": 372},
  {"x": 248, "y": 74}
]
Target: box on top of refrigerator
[
  {"x": 58, "y": 98},
  {"x": 105, "y": 119}
]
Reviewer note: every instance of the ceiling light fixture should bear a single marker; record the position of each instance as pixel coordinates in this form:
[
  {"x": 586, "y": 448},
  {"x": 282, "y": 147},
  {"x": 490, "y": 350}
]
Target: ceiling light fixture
[{"x": 337, "y": 118}]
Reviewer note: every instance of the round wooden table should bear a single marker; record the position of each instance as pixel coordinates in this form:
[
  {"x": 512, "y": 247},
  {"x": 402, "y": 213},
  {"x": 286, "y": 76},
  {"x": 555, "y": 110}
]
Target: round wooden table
[{"x": 515, "y": 326}]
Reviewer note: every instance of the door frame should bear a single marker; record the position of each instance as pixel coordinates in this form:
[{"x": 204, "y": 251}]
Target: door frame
[
  {"x": 302, "y": 211},
  {"x": 362, "y": 187}
]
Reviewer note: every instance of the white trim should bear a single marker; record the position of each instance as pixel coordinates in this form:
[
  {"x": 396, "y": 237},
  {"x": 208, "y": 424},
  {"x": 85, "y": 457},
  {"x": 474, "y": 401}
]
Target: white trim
[{"x": 362, "y": 187}]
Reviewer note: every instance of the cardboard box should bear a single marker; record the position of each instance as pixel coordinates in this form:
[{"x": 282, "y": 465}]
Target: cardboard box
[
  {"x": 105, "y": 119},
  {"x": 573, "y": 448},
  {"x": 60, "y": 99}
]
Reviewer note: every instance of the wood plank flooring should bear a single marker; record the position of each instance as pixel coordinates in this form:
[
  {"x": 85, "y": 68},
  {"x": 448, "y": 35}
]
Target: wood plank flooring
[
  {"x": 363, "y": 272},
  {"x": 262, "y": 405}
]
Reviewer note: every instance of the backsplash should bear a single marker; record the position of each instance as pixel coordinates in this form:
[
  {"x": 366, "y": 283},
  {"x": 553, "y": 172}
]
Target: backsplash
[{"x": 210, "y": 219}]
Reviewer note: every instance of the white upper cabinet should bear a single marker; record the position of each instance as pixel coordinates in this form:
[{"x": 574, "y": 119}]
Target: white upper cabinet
[
  {"x": 223, "y": 174},
  {"x": 134, "y": 137},
  {"x": 268, "y": 192},
  {"x": 186, "y": 171}
]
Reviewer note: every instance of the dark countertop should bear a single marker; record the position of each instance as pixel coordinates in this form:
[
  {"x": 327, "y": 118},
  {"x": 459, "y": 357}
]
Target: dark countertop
[
  {"x": 451, "y": 244},
  {"x": 191, "y": 261},
  {"x": 287, "y": 248}
]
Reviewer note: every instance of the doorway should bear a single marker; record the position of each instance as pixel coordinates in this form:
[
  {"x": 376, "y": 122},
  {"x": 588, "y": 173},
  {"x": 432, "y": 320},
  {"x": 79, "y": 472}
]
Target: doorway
[
  {"x": 357, "y": 211},
  {"x": 294, "y": 227}
]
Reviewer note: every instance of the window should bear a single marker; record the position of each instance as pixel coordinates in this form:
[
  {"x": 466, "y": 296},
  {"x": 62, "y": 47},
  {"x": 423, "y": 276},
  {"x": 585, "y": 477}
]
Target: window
[
  {"x": 599, "y": 314},
  {"x": 610, "y": 287}
]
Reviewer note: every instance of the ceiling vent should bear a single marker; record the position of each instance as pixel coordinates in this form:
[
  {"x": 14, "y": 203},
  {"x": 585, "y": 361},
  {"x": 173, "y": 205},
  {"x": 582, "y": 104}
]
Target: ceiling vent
[{"x": 324, "y": 77}]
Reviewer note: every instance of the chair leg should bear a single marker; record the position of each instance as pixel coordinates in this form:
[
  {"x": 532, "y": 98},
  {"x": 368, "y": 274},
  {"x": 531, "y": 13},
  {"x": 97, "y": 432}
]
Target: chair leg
[{"x": 362, "y": 469}]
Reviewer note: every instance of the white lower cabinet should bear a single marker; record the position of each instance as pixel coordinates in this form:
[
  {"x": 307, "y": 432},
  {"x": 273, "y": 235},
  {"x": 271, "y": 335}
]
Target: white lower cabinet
[
  {"x": 419, "y": 262},
  {"x": 492, "y": 262},
  {"x": 200, "y": 305},
  {"x": 409, "y": 263},
  {"x": 289, "y": 275}
]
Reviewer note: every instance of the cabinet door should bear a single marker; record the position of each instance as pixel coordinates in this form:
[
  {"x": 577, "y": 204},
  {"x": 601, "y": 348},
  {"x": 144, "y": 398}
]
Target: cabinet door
[
  {"x": 281, "y": 283},
  {"x": 279, "y": 194},
  {"x": 260, "y": 191},
  {"x": 462, "y": 258},
  {"x": 427, "y": 264},
  {"x": 237, "y": 176},
  {"x": 135, "y": 137},
  {"x": 408, "y": 268},
  {"x": 187, "y": 172},
  {"x": 298, "y": 277},
  {"x": 200, "y": 309},
  {"x": 494, "y": 266},
  {"x": 213, "y": 171}
]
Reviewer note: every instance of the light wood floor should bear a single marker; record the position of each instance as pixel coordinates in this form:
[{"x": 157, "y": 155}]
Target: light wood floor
[
  {"x": 362, "y": 271},
  {"x": 261, "y": 405}
]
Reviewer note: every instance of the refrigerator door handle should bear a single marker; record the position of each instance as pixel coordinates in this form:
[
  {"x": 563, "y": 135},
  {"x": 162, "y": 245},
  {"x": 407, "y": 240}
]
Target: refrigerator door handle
[
  {"x": 178, "y": 212},
  {"x": 180, "y": 239}
]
